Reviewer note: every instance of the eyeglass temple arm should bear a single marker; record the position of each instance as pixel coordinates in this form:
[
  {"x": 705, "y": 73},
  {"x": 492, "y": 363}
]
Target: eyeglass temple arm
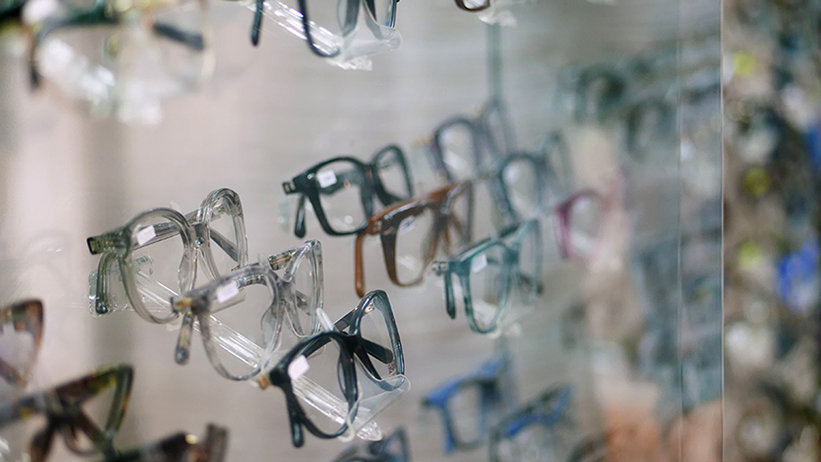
[
  {"x": 359, "y": 264},
  {"x": 299, "y": 225},
  {"x": 256, "y": 26}
]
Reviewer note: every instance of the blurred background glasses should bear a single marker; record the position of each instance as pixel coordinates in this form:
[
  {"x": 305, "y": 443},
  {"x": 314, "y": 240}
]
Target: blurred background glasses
[
  {"x": 411, "y": 232},
  {"x": 86, "y": 412},
  {"x": 599, "y": 93},
  {"x": 240, "y": 315},
  {"x": 394, "y": 448},
  {"x": 520, "y": 182},
  {"x": 650, "y": 125},
  {"x": 122, "y": 56},
  {"x": 11, "y": 10},
  {"x": 497, "y": 129},
  {"x": 462, "y": 147},
  {"x": 330, "y": 28},
  {"x": 156, "y": 255},
  {"x": 323, "y": 367},
  {"x": 21, "y": 335},
  {"x": 488, "y": 270},
  {"x": 469, "y": 405},
  {"x": 181, "y": 447},
  {"x": 342, "y": 190},
  {"x": 579, "y": 221},
  {"x": 530, "y": 433},
  {"x": 590, "y": 449},
  {"x": 556, "y": 152}
]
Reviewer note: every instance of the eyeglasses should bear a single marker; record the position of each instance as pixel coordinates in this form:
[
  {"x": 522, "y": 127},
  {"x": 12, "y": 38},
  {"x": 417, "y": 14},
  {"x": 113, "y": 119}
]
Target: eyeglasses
[
  {"x": 21, "y": 335},
  {"x": 469, "y": 405},
  {"x": 394, "y": 448},
  {"x": 649, "y": 122},
  {"x": 579, "y": 220},
  {"x": 342, "y": 190},
  {"x": 548, "y": 410},
  {"x": 460, "y": 144},
  {"x": 179, "y": 37},
  {"x": 329, "y": 28},
  {"x": 86, "y": 412},
  {"x": 181, "y": 447},
  {"x": 489, "y": 269},
  {"x": 599, "y": 93},
  {"x": 240, "y": 315},
  {"x": 160, "y": 250},
  {"x": 326, "y": 362},
  {"x": 410, "y": 232}
]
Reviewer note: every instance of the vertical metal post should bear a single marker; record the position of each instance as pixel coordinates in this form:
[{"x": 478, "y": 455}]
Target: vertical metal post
[{"x": 494, "y": 60}]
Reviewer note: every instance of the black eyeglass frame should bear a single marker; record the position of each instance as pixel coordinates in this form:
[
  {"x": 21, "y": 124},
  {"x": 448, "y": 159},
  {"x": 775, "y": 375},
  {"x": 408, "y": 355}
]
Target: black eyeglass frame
[
  {"x": 351, "y": 345},
  {"x": 351, "y": 15},
  {"x": 307, "y": 185}
]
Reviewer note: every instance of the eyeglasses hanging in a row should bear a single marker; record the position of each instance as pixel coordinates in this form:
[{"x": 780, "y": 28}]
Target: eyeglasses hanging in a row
[
  {"x": 478, "y": 409},
  {"x": 124, "y": 58},
  {"x": 262, "y": 319}
]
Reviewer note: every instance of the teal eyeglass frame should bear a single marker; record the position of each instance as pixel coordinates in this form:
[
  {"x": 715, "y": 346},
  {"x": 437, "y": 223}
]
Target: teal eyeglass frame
[{"x": 461, "y": 268}]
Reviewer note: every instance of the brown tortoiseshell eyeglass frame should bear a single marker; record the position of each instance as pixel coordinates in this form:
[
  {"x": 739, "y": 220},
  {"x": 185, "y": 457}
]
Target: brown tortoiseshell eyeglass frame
[
  {"x": 64, "y": 415},
  {"x": 386, "y": 224},
  {"x": 25, "y": 316},
  {"x": 461, "y": 4}
]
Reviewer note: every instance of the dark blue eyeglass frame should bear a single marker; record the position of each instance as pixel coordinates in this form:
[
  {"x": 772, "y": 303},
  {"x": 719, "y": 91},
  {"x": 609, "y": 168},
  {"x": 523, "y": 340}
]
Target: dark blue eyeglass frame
[
  {"x": 548, "y": 409},
  {"x": 488, "y": 379}
]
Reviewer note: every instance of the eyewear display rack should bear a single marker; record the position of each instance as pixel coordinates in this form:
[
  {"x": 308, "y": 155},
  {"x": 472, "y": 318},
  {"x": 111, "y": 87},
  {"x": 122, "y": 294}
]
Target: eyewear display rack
[{"x": 634, "y": 331}]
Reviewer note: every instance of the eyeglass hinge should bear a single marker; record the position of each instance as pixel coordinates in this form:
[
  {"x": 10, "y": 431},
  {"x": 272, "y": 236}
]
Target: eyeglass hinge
[
  {"x": 288, "y": 187},
  {"x": 440, "y": 267}
]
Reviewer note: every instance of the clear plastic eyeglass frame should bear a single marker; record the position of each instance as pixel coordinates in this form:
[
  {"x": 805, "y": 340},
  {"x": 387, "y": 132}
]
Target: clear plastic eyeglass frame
[
  {"x": 475, "y": 258},
  {"x": 116, "y": 247},
  {"x": 109, "y": 85},
  {"x": 198, "y": 305},
  {"x": 343, "y": 49}
]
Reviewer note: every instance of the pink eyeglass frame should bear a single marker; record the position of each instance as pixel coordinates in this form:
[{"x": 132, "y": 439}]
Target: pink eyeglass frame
[{"x": 564, "y": 208}]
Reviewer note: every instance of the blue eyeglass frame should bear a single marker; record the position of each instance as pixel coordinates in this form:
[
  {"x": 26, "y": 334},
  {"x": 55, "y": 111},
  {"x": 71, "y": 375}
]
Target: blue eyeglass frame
[
  {"x": 488, "y": 379},
  {"x": 462, "y": 265}
]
